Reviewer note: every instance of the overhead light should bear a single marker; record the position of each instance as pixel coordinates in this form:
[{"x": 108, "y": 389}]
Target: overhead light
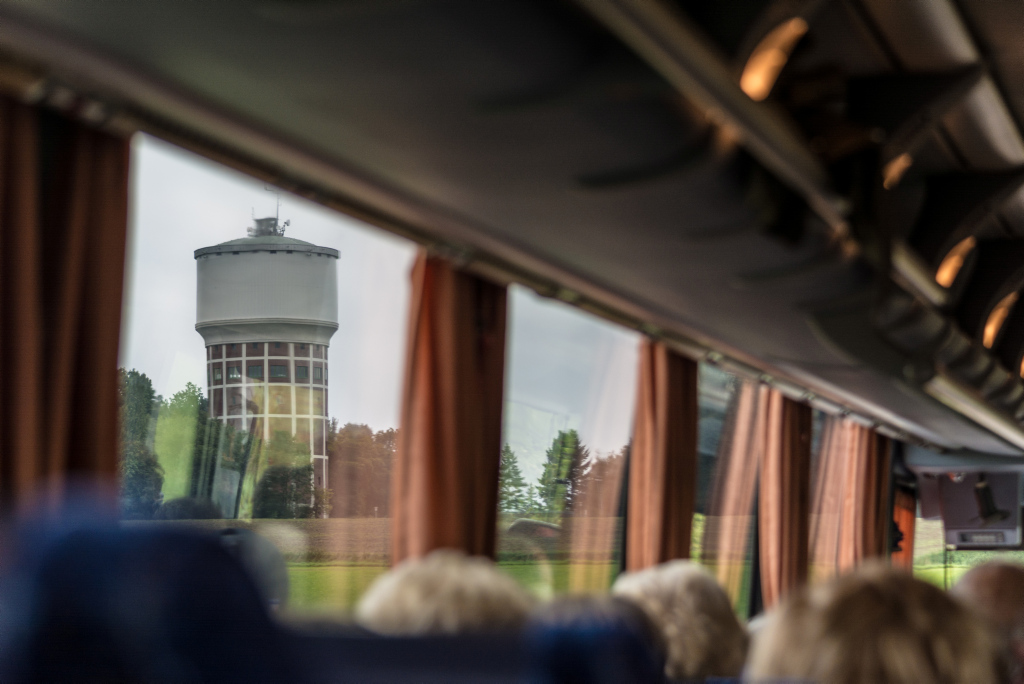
[
  {"x": 769, "y": 57},
  {"x": 996, "y": 319},
  {"x": 894, "y": 170},
  {"x": 951, "y": 264}
]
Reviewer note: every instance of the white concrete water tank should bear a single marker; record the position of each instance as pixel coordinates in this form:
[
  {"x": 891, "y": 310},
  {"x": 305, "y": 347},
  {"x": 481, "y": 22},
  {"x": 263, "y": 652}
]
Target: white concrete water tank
[{"x": 267, "y": 306}]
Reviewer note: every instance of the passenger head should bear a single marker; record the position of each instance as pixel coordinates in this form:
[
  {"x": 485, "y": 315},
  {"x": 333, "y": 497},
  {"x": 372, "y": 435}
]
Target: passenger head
[
  {"x": 702, "y": 636},
  {"x": 876, "y": 624},
  {"x": 596, "y": 638},
  {"x": 137, "y": 605},
  {"x": 996, "y": 591},
  {"x": 445, "y": 592}
]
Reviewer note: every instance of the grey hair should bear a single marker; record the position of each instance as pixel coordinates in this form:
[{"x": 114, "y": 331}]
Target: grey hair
[
  {"x": 445, "y": 592},
  {"x": 703, "y": 637}
]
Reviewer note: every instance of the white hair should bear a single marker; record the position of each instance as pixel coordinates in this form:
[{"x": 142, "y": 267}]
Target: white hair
[
  {"x": 703, "y": 637},
  {"x": 445, "y": 592}
]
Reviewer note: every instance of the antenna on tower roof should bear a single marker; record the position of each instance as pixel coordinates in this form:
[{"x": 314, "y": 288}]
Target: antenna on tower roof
[
  {"x": 277, "y": 194},
  {"x": 269, "y": 226}
]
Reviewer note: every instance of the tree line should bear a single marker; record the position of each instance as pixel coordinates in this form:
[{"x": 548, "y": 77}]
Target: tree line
[
  {"x": 178, "y": 462},
  {"x": 570, "y": 472}
]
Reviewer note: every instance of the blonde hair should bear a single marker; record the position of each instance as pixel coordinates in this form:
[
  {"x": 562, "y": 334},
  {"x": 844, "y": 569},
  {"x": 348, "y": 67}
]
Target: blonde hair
[
  {"x": 445, "y": 592},
  {"x": 876, "y": 624},
  {"x": 702, "y": 636}
]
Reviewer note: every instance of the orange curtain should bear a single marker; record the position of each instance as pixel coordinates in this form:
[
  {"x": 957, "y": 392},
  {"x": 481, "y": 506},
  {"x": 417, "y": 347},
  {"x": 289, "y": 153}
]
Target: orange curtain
[
  {"x": 63, "y": 219},
  {"x": 593, "y": 527},
  {"x": 905, "y": 515},
  {"x": 784, "y": 497},
  {"x": 445, "y": 480},
  {"x": 725, "y": 548},
  {"x": 663, "y": 459},
  {"x": 850, "y": 498}
]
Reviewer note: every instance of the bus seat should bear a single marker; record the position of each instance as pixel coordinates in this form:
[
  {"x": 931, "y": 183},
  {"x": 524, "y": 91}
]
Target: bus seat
[
  {"x": 465, "y": 659},
  {"x": 111, "y": 604},
  {"x": 594, "y": 654},
  {"x": 550, "y": 655}
]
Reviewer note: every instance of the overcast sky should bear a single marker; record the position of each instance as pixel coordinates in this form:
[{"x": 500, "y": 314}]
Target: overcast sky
[{"x": 566, "y": 369}]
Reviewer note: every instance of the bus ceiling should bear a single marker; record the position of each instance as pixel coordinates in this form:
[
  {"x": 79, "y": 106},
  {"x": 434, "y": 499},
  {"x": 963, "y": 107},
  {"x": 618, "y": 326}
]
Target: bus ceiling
[{"x": 828, "y": 194}]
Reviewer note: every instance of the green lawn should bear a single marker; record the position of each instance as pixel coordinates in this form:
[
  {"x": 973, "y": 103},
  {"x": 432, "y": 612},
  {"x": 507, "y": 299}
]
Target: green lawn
[
  {"x": 332, "y": 562},
  {"x": 334, "y": 588},
  {"x": 327, "y": 587}
]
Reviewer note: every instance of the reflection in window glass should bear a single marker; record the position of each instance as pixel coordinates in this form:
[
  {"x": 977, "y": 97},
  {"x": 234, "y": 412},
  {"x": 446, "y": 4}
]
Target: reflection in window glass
[
  {"x": 723, "y": 521},
  {"x": 310, "y": 472},
  {"x": 715, "y": 390},
  {"x": 729, "y": 411},
  {"x": 570, "y": 390},
  {"x": 725, "y": 517}
]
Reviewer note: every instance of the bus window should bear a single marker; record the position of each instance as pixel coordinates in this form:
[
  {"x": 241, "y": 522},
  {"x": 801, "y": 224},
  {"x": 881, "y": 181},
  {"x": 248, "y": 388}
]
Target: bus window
[
  {"x": 234, "y": 292},
  {"x": 931, "y": 559},
  {"x": 715, "y": 391},
  {"x": 570, "y": 388},
  {"x": 942, "y": 565},
  {"x": 723, "y": 520}
]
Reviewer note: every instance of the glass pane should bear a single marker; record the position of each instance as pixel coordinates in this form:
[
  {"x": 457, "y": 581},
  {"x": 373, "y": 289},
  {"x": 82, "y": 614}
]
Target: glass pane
[
  {"x": 730, "y": 411},
  {"x": 302, "y": 401},
  {"x": 715, "y": 389},
  {"x": 569, "y": 392},
  {"x": 930, "y": 556},
  {"x": 215, "y": 429}
]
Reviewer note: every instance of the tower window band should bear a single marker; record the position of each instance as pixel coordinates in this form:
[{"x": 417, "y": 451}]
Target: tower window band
[
  {"x": 318, "y": 373},
  {"x": 302, "y": 372},
  {"x": 234, "y": 373},
  {"x": 279, "y": 371},
  {"x": 255, "y": 372},
  {"x": 218, "y": 374}
]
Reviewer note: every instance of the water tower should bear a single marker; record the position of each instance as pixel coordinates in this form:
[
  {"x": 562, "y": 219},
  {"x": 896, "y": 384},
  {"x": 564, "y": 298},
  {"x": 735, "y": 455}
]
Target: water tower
[{"x": 267, "y": 306}]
